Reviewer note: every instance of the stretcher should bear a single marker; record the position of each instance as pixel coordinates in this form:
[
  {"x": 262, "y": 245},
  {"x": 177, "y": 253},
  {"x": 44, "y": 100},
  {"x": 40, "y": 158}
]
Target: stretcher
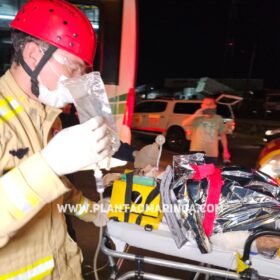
[{"x": 161, "y": 241}]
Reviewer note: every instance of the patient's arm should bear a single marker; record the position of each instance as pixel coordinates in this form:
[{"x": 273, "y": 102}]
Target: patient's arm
[{"x": 267, "y": 243}]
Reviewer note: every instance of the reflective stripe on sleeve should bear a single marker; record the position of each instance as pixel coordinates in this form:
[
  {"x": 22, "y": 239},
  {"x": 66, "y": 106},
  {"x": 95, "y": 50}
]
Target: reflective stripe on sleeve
[
  {"x": 83, "y": 207},
  {"x": 9, "y": 107},
  {"x": 21, "y": 199},
  {"x": 35, "y": 271}
]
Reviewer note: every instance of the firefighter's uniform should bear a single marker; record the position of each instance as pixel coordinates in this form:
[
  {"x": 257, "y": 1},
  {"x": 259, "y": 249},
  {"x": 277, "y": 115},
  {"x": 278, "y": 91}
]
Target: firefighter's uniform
[{"x": 34, "y": 243}]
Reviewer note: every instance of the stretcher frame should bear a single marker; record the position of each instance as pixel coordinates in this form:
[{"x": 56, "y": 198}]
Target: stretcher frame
[{"x": 139, "y": 273}]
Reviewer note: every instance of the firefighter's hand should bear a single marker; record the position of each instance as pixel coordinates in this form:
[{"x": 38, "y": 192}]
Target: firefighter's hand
[
  {"x": 101, "y": 217},
  {"x": 78, "y": 146},
  {"x": 148, "y": 155}
]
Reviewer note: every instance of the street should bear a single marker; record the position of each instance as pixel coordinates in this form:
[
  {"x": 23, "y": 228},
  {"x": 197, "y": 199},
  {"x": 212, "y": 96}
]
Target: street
[{"x": 244, "y": 150}]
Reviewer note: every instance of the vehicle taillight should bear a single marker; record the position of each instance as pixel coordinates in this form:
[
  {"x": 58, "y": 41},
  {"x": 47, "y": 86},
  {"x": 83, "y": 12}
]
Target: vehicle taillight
[{"x": 188, "y": 133}]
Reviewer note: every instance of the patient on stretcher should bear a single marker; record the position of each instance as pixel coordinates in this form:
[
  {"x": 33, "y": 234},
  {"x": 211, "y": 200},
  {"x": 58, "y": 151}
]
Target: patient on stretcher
[{"x": 246, "y": 199}]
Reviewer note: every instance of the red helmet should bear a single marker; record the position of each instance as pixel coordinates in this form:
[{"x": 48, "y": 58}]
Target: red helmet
[{"x": 58, "y": 23}]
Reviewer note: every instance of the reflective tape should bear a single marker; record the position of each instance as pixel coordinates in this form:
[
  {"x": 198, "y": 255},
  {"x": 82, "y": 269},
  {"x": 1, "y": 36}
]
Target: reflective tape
[
  {"x": 35, "y": 271},
  {"x": 9, "y": 107},
  {"x": 83, "y": 207},
  {"x": 21, "y": 198}
]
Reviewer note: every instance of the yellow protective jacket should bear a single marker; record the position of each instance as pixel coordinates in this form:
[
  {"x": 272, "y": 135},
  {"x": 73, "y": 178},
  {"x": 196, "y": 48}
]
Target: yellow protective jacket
[{"x": 34, "y": 243}]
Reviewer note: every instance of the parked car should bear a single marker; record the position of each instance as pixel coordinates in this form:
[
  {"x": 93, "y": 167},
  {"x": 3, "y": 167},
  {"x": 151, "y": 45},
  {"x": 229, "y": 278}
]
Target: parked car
[{"x": 165, "y": 116}]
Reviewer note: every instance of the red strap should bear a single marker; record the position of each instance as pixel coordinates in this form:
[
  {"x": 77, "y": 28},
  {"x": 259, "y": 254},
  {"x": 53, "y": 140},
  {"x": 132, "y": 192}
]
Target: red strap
[
  {"x": 214, "y": 191},
  {"x": 202, "y": 171}
]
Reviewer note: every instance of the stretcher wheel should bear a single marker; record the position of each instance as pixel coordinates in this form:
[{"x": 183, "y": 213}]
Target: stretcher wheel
[{"x": 148, "y": 227}]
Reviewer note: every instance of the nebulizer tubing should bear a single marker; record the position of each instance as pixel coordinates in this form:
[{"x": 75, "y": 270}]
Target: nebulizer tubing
[
  {"x": 91, "y": 100},
  {"x": 98, "y": 174},
  {"x": 159, "y": 156}
]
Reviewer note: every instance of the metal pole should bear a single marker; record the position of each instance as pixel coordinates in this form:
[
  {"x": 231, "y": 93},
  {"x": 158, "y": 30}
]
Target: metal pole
[
  {"x": 170, "y": 264},
  {"x": 131, "y": 274}
]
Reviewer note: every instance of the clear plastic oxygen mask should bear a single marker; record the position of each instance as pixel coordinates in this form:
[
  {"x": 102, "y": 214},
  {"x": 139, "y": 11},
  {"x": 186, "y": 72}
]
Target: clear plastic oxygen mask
[{"x": 90, "y": 99}]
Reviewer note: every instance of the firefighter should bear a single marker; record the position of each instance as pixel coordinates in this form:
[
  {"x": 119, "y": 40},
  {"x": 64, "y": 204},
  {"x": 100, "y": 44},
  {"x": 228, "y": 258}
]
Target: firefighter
[{"x": 53, "y": 40}]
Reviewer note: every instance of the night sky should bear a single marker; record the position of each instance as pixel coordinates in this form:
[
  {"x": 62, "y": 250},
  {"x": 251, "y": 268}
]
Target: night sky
[{"x": 214, "y": 38}]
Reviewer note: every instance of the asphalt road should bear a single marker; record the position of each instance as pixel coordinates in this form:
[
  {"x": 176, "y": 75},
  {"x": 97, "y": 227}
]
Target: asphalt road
[{"x": 244, "y": 150}]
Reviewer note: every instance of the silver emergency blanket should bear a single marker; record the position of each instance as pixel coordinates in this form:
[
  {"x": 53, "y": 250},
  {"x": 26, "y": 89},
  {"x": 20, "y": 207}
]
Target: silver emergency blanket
[
  {"x": 183, "y": 218},
  {"x": 90, "y": 99},
  {"x": 249, "y": 199},
  {"x": 172, "y": 219}
]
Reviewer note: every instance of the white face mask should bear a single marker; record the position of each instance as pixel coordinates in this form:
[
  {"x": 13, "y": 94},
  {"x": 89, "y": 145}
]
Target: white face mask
[{"x": 57, "y": 98}]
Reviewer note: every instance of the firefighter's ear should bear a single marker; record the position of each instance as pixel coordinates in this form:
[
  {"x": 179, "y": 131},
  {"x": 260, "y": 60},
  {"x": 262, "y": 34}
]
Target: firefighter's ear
[{"x": 32, "y": 54}]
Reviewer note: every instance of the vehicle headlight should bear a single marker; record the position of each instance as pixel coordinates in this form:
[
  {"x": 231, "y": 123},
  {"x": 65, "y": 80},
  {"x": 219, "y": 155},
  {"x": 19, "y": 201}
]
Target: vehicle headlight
[
  {"x": 272, "y": 167},
  {"x": 272, "y": 132}
]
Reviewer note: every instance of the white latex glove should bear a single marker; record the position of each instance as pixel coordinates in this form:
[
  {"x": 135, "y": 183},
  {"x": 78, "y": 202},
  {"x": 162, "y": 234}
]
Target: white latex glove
[
  {"x": 107, "y": 163},
  {"x": 78, "y": 146},
  {"x": 147, "y": 156},
  {"x": 101, "y": 217}
]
